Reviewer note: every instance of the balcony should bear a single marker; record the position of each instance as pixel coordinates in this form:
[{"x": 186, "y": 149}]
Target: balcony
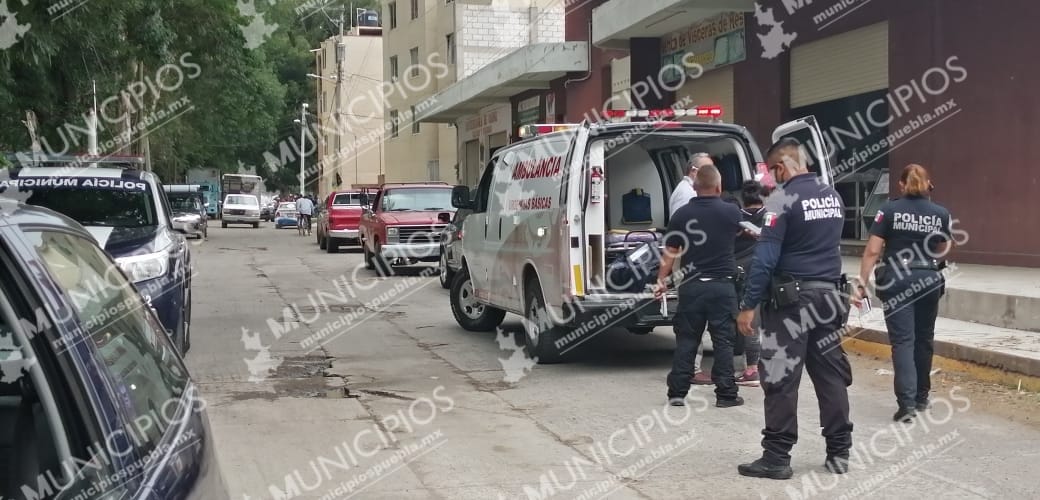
[{"x": 530, "y": 67}]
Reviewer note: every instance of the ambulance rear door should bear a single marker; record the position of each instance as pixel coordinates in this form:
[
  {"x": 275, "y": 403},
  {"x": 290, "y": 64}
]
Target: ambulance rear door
[{"x": 808, "y": 132}]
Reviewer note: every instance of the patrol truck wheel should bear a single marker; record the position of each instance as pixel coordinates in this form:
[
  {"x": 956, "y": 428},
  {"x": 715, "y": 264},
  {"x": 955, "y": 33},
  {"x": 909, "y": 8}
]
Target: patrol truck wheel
[
  {"x": 470, "y": 313},
  {"x": 540, "y": 333}
]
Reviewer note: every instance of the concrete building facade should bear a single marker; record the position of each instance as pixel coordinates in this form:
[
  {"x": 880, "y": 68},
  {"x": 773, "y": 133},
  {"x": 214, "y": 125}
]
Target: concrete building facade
[
  {"x": 498, "y": 49},
  {"x": 350, "y": 111},
  {"x": 417, "y": 63}
]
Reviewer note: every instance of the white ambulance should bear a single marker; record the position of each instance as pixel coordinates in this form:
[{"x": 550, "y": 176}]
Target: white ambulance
[{"x": 551, "y": 213}]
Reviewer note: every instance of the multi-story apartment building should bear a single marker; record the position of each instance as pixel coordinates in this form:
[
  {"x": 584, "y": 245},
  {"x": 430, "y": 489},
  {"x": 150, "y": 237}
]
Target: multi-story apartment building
[
  {"x": 350, "y": 128},
  {"x": 466, "y": 107},
  {"x": 418, "y": 62}
]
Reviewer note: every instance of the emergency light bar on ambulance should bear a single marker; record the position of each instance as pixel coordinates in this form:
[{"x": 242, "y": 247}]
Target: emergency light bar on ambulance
[{"x": 713, "y": 113}]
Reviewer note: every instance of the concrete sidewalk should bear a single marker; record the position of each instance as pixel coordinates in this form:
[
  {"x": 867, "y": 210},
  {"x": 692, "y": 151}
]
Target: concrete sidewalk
[{"x": 989, "y": 322}]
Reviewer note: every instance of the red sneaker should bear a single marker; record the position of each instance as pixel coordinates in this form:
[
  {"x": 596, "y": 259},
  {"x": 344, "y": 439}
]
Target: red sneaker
[
  {"x": 749, "y": 378},
  {"x": 701, "y": 378}
]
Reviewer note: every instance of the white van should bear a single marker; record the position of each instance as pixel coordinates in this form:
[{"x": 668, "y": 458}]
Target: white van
[{"x": 550, "y": 213}]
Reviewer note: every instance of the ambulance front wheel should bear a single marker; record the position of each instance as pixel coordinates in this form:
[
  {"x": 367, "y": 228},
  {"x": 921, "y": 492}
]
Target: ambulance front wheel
[{"x": 470, "y": 313}]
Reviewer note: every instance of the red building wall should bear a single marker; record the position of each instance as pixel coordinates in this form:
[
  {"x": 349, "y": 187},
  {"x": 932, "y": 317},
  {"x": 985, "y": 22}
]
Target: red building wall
[
  {"x": 980, "y": 157},
  {"x": 584, "y": 94}
]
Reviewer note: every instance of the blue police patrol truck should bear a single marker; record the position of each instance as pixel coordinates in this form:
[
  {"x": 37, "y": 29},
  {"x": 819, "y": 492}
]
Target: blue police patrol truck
[{"x": 125, "y": 209}]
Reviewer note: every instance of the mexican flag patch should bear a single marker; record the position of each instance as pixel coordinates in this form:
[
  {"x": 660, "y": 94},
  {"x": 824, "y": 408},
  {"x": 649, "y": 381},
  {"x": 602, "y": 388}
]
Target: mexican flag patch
[
  {"x": 770, "y": 220},
  {"x": 880, "y": 217}
]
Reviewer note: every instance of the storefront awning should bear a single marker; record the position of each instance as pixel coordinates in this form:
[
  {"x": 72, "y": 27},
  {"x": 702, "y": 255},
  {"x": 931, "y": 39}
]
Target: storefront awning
[
  {"x": 617, "y": 21},
  {"x": 530, "y": 67}
]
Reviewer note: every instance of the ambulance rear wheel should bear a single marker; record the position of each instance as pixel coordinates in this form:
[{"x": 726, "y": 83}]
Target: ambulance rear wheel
[{"x": 540, "y": 333}]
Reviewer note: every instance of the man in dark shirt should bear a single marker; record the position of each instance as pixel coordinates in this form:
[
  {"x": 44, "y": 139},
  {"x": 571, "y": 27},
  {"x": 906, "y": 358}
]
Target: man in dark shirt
[
  {"x": 799, "y": 243},
  {"x": 704, "y": 231}
]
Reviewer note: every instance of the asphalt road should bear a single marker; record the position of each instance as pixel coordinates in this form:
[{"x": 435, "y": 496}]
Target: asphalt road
[{"x": 367, "y": 388}]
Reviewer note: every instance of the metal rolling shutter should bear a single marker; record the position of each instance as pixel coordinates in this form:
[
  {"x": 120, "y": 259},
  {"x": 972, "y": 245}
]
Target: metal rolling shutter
[
  {"x": 713, "y": 88},
  {"x": 851, "y": 63}
]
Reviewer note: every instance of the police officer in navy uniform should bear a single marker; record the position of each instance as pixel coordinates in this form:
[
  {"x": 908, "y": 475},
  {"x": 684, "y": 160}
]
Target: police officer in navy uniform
[
  {"x": 704, "y": 230},
  {"x": 915, "y": 234},
  {"x": 796, "y": 277}
]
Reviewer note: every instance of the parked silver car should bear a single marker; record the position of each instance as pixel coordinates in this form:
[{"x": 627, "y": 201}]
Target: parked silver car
[{"x": 189, "y": 213}]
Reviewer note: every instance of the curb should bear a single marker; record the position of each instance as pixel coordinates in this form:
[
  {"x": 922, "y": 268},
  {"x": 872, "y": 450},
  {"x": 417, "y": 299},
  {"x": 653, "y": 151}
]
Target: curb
[{"x": 979, "y": 364}]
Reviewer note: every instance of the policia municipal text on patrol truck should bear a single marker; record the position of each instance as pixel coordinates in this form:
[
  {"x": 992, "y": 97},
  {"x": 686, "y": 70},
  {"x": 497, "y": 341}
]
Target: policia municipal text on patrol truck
[{"x": 540, "y": 242}]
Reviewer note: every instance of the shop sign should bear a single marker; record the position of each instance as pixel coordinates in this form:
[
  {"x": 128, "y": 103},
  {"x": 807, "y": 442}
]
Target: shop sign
[
  {"x": 482, "y": 125},
  {"x": 712, "y": 43},
  {"x": 528, "y": 110}
]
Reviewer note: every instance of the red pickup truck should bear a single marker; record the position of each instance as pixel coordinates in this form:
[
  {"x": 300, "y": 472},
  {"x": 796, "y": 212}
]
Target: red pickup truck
[
  {"x": 402, "y": 224},
  {"x": 337, "y": 220}
]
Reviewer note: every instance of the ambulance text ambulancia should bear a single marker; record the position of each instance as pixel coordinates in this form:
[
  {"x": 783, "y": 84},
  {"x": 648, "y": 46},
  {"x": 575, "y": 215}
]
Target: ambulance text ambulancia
[{"x": 567, "y": 224}]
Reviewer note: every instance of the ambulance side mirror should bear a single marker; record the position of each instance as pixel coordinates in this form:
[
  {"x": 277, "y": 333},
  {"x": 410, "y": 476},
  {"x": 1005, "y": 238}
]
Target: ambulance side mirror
[{"x": 460, "y": 197}]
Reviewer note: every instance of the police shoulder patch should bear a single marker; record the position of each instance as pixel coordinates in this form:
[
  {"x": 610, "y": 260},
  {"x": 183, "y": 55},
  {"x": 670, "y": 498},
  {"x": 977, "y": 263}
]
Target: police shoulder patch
[
  {"x": 879, "y": 217},
  {"x": 769, "y": 220}
]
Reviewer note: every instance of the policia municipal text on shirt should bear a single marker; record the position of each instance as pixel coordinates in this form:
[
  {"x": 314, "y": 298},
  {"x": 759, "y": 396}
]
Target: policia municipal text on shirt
[
  {"x": 704, "y": 231},
  {"x": 797, "y": 266},
  {"x": 915, "y": 234}
]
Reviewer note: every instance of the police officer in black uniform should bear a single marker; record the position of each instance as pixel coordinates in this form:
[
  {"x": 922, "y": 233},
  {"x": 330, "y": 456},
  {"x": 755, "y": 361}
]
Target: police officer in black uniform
[
  {"x": 704, "y": 230},
  {"x": 915, "y": 234},
  {"x": 796, "y": 276}
]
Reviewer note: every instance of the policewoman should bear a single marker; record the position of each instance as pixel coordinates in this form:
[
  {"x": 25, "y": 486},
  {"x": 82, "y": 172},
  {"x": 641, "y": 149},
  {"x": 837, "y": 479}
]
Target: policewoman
[
  {"x": 914, "y": 234},
  {"x": 796, "y": 277}
]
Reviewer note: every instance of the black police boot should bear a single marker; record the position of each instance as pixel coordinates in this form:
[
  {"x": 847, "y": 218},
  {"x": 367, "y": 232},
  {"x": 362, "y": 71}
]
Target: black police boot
[
  {"x": 837, "y": 464},
  {"x": 764, "y": 469},
  {"x": 923, "y": 405},
  {"x": 729, "y": 403},
  {"x": 905, "y": 415}
]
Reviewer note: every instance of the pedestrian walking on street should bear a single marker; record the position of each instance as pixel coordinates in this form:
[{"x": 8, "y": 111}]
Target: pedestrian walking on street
[
  {"x": 751, "y": 195},
  {"x": 915, "y": 235},
  {"x": 703, "y": 232},
  {"x": 797, "y": 265},
  {"x": 305, "y": 208}
]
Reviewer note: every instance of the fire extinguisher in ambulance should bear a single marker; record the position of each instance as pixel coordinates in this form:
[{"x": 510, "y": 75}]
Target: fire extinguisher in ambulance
[{"x": 596, "y": 188}]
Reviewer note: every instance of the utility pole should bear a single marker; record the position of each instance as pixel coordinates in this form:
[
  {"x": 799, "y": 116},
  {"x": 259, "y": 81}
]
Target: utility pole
[
  {"x": 92, "y": 142},
  {"x": 31, "y": 124},
  {"x": 341, "y": 54},
  {"x": 303, "y": 131}
]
